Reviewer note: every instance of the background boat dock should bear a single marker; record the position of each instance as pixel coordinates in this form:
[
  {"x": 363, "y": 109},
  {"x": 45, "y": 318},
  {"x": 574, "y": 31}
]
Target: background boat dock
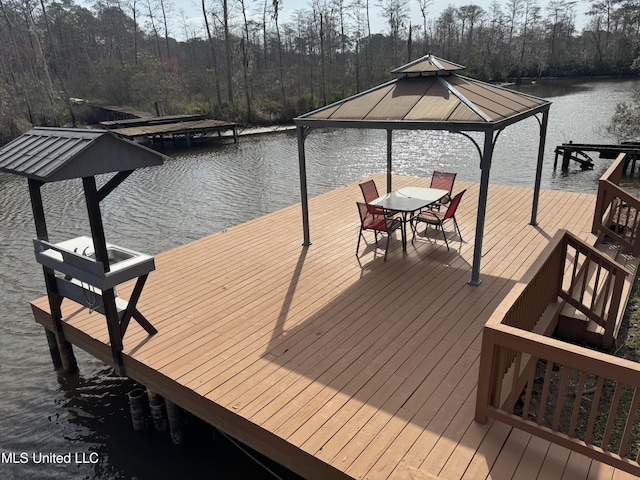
[{"x": 172, "y": 128}]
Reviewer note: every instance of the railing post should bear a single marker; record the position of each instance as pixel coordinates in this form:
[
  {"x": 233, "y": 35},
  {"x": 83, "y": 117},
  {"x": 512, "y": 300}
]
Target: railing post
[
  {"x": 485, "y": 380},
  {"x": 614, "y": 307}
]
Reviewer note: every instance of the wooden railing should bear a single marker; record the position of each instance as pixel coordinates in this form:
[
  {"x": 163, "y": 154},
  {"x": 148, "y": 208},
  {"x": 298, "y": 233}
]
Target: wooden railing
[
  {"x": 617, "y": 213},
  {"x": 592, "y": 283},
  {"x": 587, "y": 400},
  {"x": 516, "y": 350}
]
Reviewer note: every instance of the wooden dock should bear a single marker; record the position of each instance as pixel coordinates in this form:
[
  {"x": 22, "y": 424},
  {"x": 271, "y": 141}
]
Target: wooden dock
[
  {"x": 172, "y": 128},
  {"x": 338, "y": 367}
]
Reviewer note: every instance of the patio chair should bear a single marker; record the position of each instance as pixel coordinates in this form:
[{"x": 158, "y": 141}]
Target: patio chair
[
  {"x": 438, "y": 218},
  {"x": 369, "y": 191},
  {"x": 375, "y": 218},
  {"x": 444, "y": 181}
]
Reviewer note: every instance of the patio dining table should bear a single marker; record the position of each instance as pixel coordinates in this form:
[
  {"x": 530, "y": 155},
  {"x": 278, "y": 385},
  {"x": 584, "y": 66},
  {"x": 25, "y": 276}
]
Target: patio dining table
[{"x": 407, "y": 200}]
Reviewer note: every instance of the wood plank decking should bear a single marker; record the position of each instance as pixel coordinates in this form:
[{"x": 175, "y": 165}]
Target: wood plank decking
[{"x": 338, "y": 367}]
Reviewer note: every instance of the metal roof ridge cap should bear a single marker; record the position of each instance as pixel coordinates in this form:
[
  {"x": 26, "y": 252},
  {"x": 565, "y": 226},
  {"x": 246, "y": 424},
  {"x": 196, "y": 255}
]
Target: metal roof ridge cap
[
  {"x": 464, "y": 99},
  {"x": 437, "y": 63}
]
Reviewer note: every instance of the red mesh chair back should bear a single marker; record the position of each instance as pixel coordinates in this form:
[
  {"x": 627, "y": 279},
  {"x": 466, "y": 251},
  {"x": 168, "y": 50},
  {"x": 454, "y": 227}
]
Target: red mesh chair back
[
  {"x": 451, "y": 211},
  {"x": 443, "y": 181},
  {"x": 369, "y": 191}
]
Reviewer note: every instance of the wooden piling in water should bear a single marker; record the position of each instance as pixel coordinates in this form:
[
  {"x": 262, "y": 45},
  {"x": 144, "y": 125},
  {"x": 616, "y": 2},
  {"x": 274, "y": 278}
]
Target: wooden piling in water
[
  {"x": 176, "y": 422},
  {"x": 67, "y": 357},
  {"x": 53, "y": 349},
  {"x": 158, "y": 411},
  {"x": 137, "y": 408}
]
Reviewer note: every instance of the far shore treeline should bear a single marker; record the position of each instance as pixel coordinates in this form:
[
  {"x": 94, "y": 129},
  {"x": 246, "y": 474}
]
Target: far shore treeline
[{"x": 248, "y": 64}]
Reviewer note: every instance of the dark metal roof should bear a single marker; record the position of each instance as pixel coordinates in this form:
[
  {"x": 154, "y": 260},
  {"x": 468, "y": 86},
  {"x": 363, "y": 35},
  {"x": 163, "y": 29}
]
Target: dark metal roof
[{"x": 52, "y": 154}]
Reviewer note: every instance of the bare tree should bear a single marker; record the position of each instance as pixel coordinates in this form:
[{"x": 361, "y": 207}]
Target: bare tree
[
  {"x": 396, "y": 12},
  {"x": 214, "y": 56},
  {"x": 227, "y": 42},
  {"x": 165, "y": 6},
  {"x": 277, "y": 5},
  {"x": 246, "y": 61},
  {"x": 152, "y": 21},
  {"x": 424, "y": 8},
  {"x": 602, "y": 13},
  {"x": 57, "y": 66},
  {"x": 134, "y": 11}
]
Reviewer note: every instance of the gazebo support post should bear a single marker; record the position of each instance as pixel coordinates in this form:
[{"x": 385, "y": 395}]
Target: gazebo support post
[
  {"x": 389, "y": 155},
  {"x": 485, "y": 166},
  {"x": 304, "y": 196},
  {"x": 536, "y": 189},
  {"x": 60, "y": 349}
]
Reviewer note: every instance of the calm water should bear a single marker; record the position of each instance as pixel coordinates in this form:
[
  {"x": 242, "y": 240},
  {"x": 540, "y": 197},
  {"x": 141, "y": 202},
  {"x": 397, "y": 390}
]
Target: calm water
[{"x": 196, "y": 193}]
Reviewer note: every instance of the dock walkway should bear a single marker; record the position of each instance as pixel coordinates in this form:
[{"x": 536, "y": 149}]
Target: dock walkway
[
  {"x": 172, "y": 127},
  {"x": 338, "y": 367}
]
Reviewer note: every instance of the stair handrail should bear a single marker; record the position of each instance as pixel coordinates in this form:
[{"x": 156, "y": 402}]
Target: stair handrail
[{"x": 617, "y": 211}]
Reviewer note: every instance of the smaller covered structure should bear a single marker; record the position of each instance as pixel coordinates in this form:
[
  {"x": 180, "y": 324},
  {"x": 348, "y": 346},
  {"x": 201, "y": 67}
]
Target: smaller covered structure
[
  {"x": 429, "y": 94},
  {"x": 85, "y": 270}
]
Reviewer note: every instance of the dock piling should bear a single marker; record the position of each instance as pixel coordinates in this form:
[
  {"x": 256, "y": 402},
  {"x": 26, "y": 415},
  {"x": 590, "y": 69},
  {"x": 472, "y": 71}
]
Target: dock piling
[
  {"x": 158, "y": 411},
  {"x": 176, "y": 422},
  {"x": 67, "y": 357},
  {"x": 137, "y": 407},
  {"x": 53, "y": 349}
]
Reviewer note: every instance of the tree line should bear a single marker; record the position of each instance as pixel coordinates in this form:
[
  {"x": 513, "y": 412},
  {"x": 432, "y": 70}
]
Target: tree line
[{"x": 246, "y": 63}]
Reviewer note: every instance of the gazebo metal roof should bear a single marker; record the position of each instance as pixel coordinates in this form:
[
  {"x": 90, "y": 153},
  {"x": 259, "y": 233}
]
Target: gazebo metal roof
[{"x": 430, "y": 95}]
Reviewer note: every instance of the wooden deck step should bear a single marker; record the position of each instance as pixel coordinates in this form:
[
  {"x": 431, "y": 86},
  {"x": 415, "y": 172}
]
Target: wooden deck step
[{"x": 574, "y": 325}]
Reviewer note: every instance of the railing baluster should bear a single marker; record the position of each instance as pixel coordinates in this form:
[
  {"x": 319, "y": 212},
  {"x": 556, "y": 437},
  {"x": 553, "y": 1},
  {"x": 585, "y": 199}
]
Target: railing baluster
[
  {"x": 594, "y": 410},
  {"x": 576, "y": 404},
  {"x": 560, "y": 397},
  {"x": 529, "y": 394},
  {"x": 573, "y": 273},
  {"x": 594, "y": 296},
  {"x": 628, "y": 428},
  {"x": 611, "y": 419},
  {"x": 585, "y": 278},
  {"x": 607, "y": 294},
  {"x": 634, "y": 228},
  {"x": 511, "y": 399},
  {"x": 545, "y": 392}
]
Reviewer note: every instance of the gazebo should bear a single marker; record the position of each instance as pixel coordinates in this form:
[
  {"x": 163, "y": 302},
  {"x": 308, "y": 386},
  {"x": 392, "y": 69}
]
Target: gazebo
[{"x": 428, "y": 94}]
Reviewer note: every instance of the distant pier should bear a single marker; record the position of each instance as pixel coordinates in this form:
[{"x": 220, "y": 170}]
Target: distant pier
[
  {"x": 580, "y": 153},
  {"x": 172, "y": 128}
]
